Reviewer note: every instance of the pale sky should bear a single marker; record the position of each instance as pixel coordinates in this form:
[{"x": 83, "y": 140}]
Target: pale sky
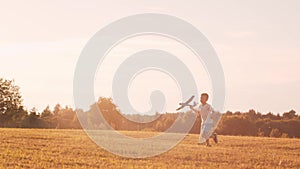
[{"x": 257, "y": 43}]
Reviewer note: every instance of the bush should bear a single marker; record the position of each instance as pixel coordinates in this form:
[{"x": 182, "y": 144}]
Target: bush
[
  {"x": 284, "y": 135},
  {"x": 275, "y": 133}
]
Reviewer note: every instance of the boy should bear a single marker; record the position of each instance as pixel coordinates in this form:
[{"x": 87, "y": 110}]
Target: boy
[{"x": 205, "y": 111}]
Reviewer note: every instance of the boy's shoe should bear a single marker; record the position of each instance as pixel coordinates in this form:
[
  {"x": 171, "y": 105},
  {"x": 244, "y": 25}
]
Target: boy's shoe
[
  {"x": 207, "y": 143},
  {"x": 215, "y": 137}
]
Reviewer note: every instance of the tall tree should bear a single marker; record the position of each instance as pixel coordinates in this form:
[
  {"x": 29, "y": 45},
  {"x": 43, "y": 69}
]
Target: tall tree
[
  {"x": 10, "y": 97},
  {"x": 11, "y": 109}
]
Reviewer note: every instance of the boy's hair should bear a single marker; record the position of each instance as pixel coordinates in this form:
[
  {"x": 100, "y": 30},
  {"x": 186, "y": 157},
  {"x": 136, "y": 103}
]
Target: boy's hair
[{"x": 205, "y": 94}]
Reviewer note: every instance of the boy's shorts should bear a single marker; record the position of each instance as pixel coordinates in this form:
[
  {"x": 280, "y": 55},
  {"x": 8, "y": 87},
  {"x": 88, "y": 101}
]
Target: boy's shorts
[{"x": 206, "y": 130}]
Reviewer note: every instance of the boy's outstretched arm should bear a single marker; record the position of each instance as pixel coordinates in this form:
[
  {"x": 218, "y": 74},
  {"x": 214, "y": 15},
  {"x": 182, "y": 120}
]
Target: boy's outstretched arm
[{"x": 194, "y": 110}]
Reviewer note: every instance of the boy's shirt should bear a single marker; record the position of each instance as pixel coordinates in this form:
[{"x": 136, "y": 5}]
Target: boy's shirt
[{"x": 206, "y": 112}]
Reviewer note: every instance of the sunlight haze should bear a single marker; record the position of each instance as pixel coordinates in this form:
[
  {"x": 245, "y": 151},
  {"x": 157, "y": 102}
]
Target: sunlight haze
[{"x": 257, "y": 43}]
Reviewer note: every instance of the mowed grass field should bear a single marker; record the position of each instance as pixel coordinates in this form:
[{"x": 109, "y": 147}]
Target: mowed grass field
[{"x": 45, "y": 148}]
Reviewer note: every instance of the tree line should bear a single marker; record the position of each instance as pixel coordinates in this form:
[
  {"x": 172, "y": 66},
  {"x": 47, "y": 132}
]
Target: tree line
[{"x": 250, "y": 123}]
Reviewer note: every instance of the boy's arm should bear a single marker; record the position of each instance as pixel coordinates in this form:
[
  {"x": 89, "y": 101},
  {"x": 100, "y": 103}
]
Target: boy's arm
[
  {"x": 196, "y": 111},
  {"x": 192, "y": 108}
]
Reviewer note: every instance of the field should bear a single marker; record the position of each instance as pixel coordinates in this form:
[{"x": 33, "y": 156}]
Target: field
[{"x": 43, "y": 148}]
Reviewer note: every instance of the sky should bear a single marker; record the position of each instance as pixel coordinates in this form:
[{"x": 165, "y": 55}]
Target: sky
[{"x": 257, "y": 43}]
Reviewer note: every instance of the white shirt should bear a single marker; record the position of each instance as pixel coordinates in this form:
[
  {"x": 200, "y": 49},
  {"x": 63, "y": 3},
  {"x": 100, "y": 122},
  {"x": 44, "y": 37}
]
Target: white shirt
[{"x": 206, "y": 112}]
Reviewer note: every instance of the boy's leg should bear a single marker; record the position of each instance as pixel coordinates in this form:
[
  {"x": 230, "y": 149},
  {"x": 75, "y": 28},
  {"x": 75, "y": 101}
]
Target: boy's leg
[
  {"x": 215, "y": 137},
  {"x": 207, "y": 139},
  {"x": 207, "y": 143}
]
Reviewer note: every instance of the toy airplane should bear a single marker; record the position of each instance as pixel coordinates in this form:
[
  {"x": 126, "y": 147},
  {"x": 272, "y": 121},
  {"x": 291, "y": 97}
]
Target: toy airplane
[{"x": 187, "y": 103}]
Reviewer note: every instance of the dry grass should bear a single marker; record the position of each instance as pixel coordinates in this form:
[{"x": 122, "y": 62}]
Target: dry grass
[{"x": 38, "y": 148}]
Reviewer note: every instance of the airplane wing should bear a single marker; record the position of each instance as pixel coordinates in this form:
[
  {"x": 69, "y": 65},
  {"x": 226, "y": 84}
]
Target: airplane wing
[
  {"x": 185, "y": 103},
  {"x": 190, "y": 99},
  {"x": 180, "y": 108}
]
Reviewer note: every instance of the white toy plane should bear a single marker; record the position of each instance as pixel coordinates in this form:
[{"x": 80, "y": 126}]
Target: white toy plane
[{"x": 187, "y": 103}]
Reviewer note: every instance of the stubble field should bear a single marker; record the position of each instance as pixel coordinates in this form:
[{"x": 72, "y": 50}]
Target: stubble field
[{"x": 45, "y": 148}]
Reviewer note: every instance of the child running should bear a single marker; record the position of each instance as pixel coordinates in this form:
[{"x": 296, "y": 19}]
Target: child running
[{"x": 205, "y": 111}]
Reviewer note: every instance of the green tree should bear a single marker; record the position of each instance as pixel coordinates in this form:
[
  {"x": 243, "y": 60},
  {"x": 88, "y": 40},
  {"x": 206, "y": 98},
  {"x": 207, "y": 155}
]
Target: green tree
[
  {"x": 33, "y": 118},
  {"x": 57, "y": 108},
  {"x": 46, "y": 113},
  {"x": 11, "y": 109},
  {"x": 290, "y": 115},
  {"x": 10, "y": 97}
]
